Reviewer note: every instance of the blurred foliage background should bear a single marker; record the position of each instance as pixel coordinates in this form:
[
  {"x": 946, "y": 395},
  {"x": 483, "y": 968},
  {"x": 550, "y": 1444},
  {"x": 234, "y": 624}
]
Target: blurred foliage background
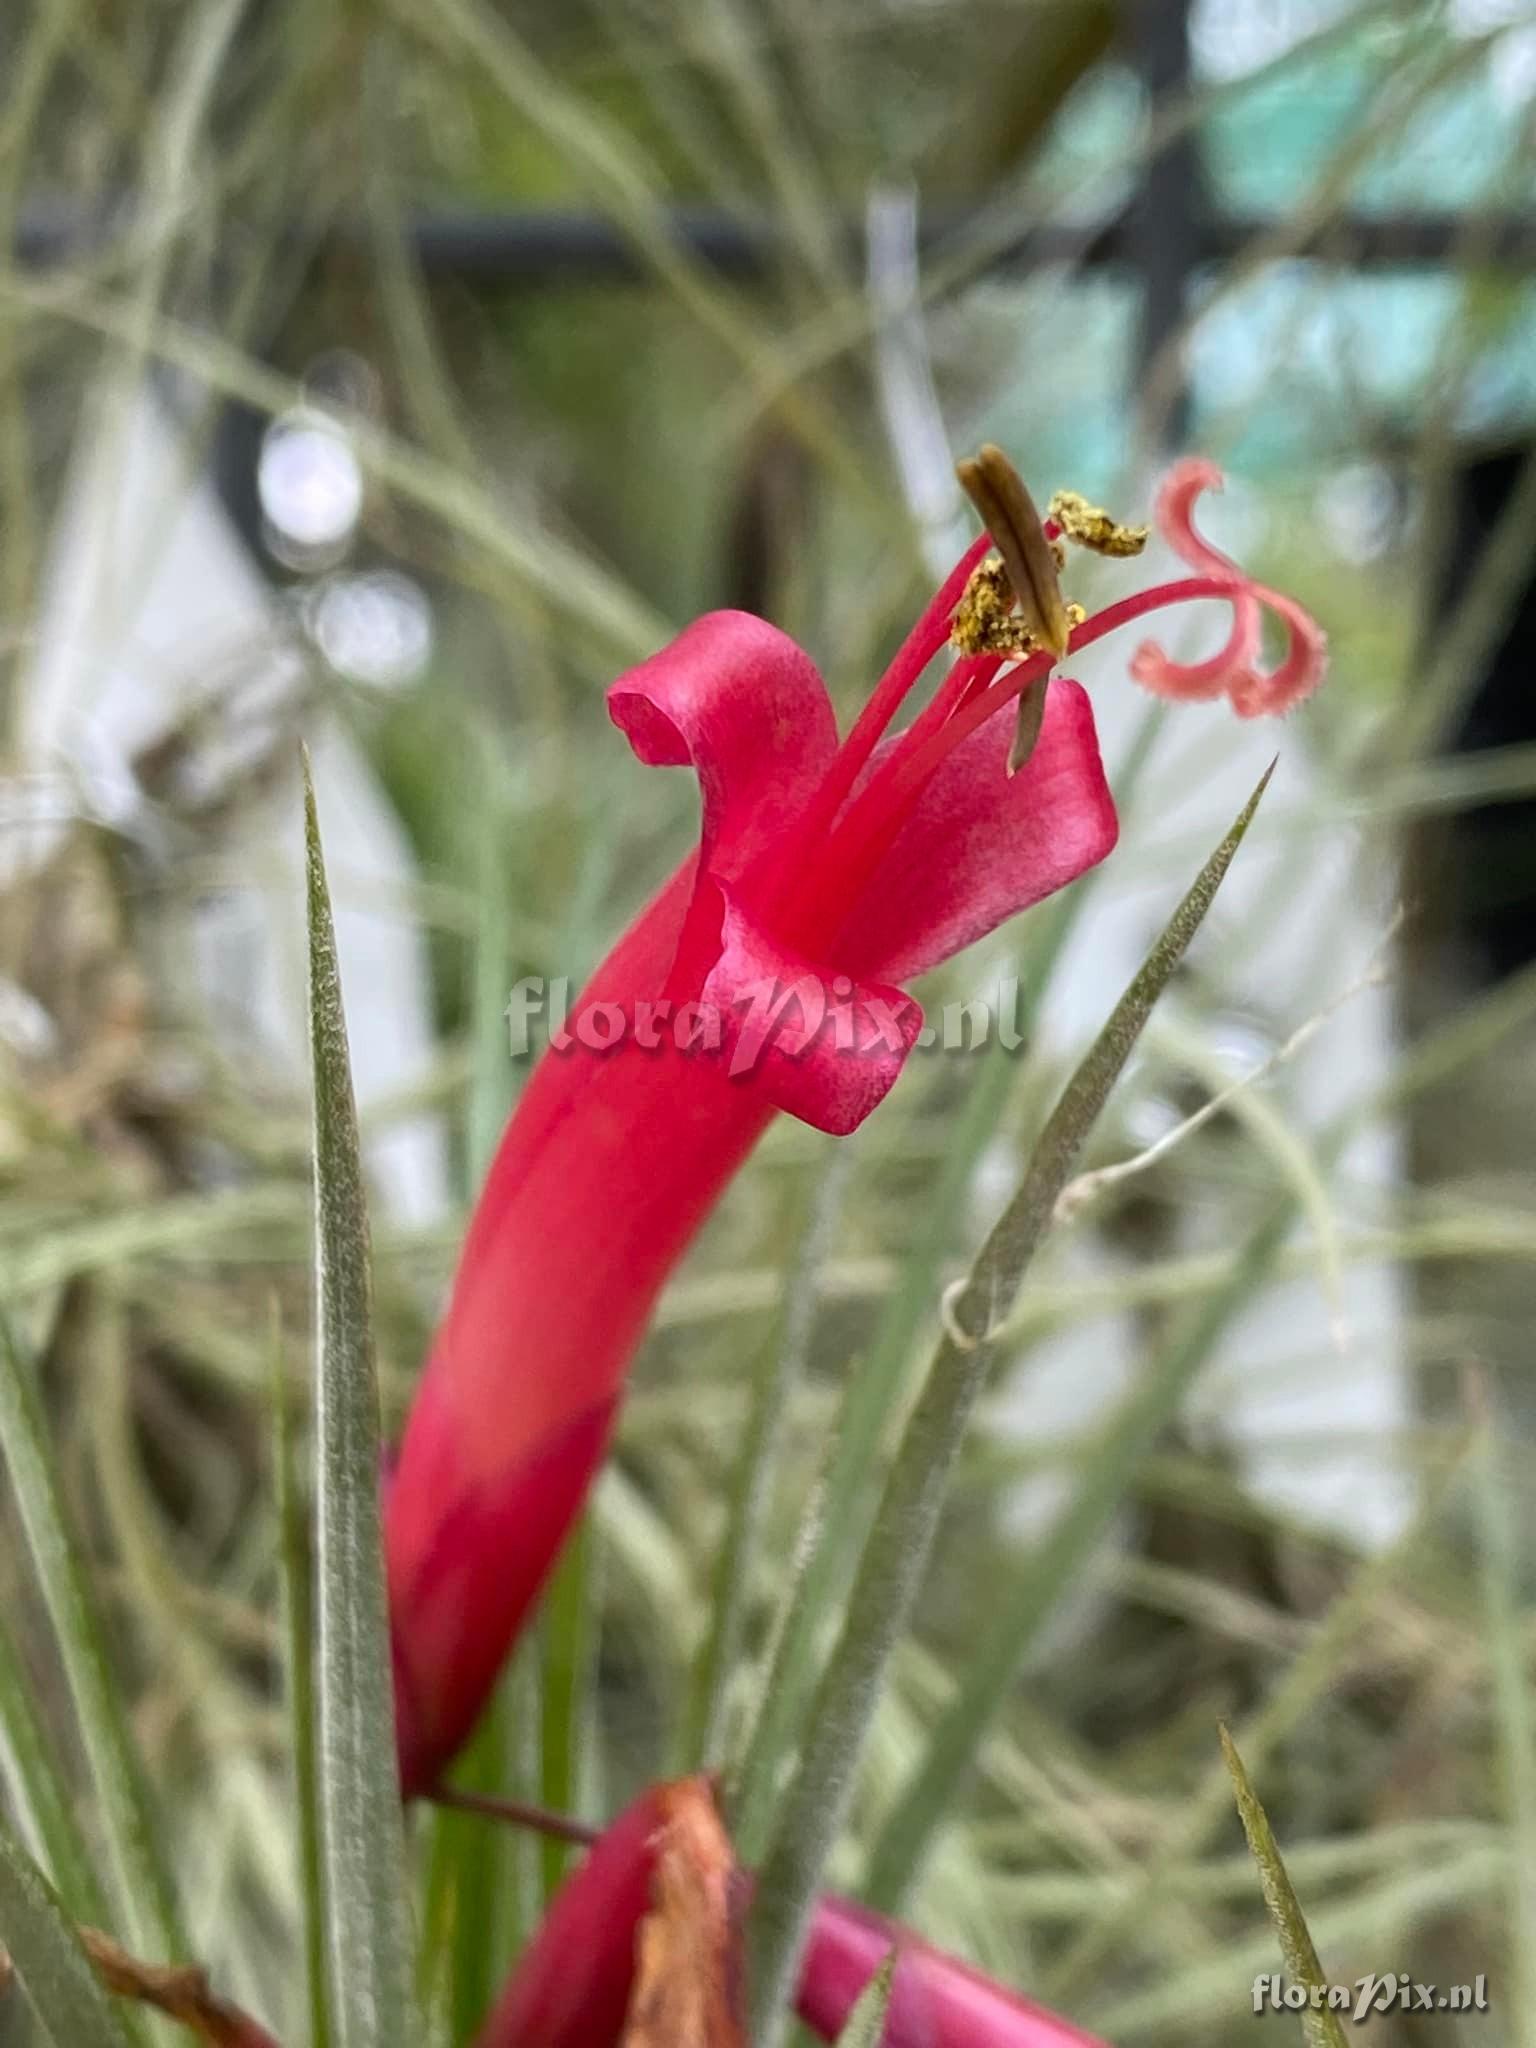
[{"x": 393, "y": 376}]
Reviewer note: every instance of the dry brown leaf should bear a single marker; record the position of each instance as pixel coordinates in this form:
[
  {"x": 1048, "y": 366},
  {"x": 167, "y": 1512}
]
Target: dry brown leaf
[{"x": 689, "y": 1958}]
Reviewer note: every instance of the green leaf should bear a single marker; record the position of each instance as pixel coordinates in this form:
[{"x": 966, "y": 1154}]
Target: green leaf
[
  {"x": 298, "y": 1618},
  {"x": 839, "y": 1507},
  {"x": 778, "y": 1374},
  {"x": 141, "y": 1887},
  {"x": 483, "y": 1895},
  {"x": 1496, "y": 1491},
  {"x": 61, "y": 1986},
  {"x": 1131, "y": 1920},
  {"x": 38, "y": 1792},
  {"x": 566, "y": 1639},
  {"x": 1321, "y": 2026},
  {"x": 865, "y": 2025},
  {"x": 367, "y": 1921},
  {"x": 490, "y": 1081},
  {"x": 1053, "y": 1566},
  {"x": 896, "y": 1554}
]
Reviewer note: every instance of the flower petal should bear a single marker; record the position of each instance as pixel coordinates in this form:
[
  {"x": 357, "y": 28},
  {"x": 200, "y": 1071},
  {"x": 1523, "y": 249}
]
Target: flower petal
[
  {"x": 739, "y": 701},
  {"x": 610, "y": 1163},
  {"x": 1194, "y": 682},
  {"x": 980, "y": 845},
  {"x": 1235, "y": 670},
  {"x": 451, "y": 1618},
  {"x": 1255, "y": 694},
  {"x": 571, "y": 1988},
  {"x": 812, "y": 1040},
  {"x": 1174, "y": 511},
  {"x": 936, "y": 2000}
]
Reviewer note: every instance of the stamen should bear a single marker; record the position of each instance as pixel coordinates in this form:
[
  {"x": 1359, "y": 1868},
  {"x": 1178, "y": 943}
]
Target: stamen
[
  {"x": 1091, "y": 526},
  {"x": 1008, "y": 513},
  {"x": 924, "y": 641},
  {"x": 985, "y": 622},
  {"x": 865, "y": 828}
]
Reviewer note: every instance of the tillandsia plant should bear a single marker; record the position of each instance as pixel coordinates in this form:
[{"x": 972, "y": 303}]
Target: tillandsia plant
[
  {"x": 826, "y": 876},
  {"x": 764, "y": 976}
]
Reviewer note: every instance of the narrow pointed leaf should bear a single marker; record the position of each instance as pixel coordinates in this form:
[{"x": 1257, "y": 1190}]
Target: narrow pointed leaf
[
  {"x": 778, "y": 1373},
  {"x": 60, "y": 1984},
  {"x": 1055, "y": 1563},
  {"x": 896, "y": 1554},
  {"x": 298, "y": 1619},
  {"x": 141, "y": 1887},
  {"x": 367, "y": 1922},
  {"x": 38, "y": 1795},
  {"x": 865, "y": 2025},
  {"x": 1321, "y": 2026},
  {"x": 566, "y": 1639},
  {"x": 916, "y": 1816},
  {"x": 837, "y": 1514},
  {"x": 1496, "y": 1489}
]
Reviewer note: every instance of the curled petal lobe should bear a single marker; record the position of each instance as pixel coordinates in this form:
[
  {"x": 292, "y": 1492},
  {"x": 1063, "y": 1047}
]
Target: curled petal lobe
[
  {"x": 813, "y": 1041},
  {"x": 737, "y": 700},
  {"x": 979, "y": 845},
  {"x": 1194, "y": 682},
  {"x": 1256, "y": 694},
  {"x": 1174, "y": 512},
  {"x": 1234, "y": 672}
]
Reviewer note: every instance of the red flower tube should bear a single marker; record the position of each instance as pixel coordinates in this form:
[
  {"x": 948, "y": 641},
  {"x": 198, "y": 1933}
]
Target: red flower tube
[
  {"x": 764, "y": 976},
  {"x": 573, "y": 1985}
]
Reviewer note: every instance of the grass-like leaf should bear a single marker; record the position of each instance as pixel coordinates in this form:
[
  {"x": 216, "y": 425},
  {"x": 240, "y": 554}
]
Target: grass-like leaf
[
  {"x": 298, "y": 1618},
  {"x": 896, "y": 1554},
  {"x": 1494, "y": 1490},
  {"x": 61, "y": 1985},
  {"x": 1056, "y": 1563},
  {"x": 141, "y": 1887},
  {"x": 367, "y": 1921},
  {"x": 865, "y": 2025},
  {"x": 839, "y": 1507},
  {"x": 1132, "y": 1920},
  {"x": 38, "y": 1793},
  {"x": 1321, "y": 2026},
  {"x": 773, "y": 1385},
  {"x": 567, "y": 1644}
]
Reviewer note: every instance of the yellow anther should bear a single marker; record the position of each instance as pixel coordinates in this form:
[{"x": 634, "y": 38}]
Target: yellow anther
[
  {"x": 1091, "y": 527},
  {"x": 985, "y": 622}
]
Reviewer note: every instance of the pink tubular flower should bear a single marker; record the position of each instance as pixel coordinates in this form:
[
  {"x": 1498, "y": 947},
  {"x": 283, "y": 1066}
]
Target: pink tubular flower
[
  {"x": 572, "y": 1987},
  {"x": 764, "y": 976}
]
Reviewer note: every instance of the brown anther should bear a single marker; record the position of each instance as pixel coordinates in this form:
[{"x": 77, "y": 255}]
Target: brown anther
[
  {"x": 1008, "y": 512},
  {"x": 1091, "y": 527}
]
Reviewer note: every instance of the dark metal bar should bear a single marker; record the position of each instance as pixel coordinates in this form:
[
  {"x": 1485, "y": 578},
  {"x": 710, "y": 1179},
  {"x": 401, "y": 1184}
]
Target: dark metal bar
[
  {"x": 541, "y": 246},
  {"x": 1166, "y": 216}
]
